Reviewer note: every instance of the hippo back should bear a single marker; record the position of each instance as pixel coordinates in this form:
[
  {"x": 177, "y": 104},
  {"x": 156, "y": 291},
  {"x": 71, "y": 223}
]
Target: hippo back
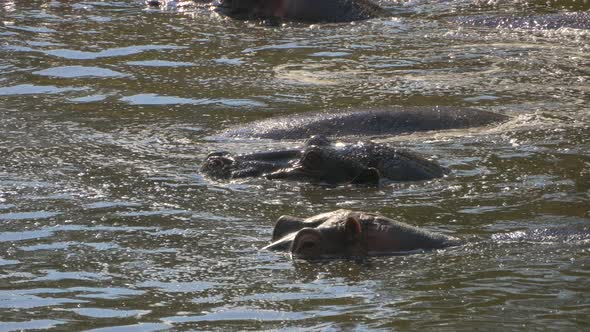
[
  {"x": 369, "y": 122},
  {"x": 332, "y": 10},
  {"x": 574, "y": 20}
]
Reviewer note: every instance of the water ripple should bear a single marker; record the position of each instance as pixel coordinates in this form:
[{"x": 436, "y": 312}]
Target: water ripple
[
  {"x": 154, "y": 99},
  {"x": 87, "y": 55},
  {"x": 22, "y": 300},
  {"x": 109, "y": 313},
  {"x": 32, "y": 29},
  {"x": 141, "y": 327},
  {"x": 79, "y": 71},
  {"x": 160, "y": 63},
  {"x": 28, "y": 215},
  {"x": 28, "y": 89},
  {"x": 38, "y": 324}
]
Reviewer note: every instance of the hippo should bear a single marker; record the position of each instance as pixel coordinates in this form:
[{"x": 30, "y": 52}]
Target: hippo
[
  {"x": 351, "y": 234},
  {"x": 320, "y": 161},
  {"x": 309, "y": 11},
  {"x": 365, "y": 122},
  {"x": 354, "y": 234},
  {"x": 573, "y": 20}
]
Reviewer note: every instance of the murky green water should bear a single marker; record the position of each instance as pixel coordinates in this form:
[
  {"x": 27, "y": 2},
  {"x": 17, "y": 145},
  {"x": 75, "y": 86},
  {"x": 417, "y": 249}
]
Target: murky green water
[{"x": 106, "y": 112}]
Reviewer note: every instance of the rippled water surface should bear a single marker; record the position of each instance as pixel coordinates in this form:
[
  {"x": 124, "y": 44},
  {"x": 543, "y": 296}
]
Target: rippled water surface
[{"x": 108, "y": 108}]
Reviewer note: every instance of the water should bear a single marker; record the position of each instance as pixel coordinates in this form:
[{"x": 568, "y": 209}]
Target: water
[{"x": 108, "y": 108}]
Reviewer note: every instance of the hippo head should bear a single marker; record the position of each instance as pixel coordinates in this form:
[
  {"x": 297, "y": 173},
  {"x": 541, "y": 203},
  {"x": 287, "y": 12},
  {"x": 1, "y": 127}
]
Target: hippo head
[
  {"x": 331, "y": 235},
  {"x": 345, "y": 234},
  {"x": 326, "y": 165},
  {"x": 343, "y": 239},
  {"x": 218, "y": 165},
  {"x": 223, "y": 165}
]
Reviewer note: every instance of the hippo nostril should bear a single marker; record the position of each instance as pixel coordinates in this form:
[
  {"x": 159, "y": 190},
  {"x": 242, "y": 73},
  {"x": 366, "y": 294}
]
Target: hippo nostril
[
  {"x": 218, "y": 161},
  {"x": 215, "y": 163}
]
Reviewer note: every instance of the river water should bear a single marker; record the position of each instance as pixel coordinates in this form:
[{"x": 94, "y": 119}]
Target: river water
[{"x": 108, "y": 108}]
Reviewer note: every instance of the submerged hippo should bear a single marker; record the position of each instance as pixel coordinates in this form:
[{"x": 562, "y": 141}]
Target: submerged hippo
[
  {"x": 311, "y": 11},
  {"x": 352, "y": 234},
  {"x": 345, "y": 234},
  {"x": 322, "y": 162},
  {"x": 369, "y": 122},
  {"x": 573, "y": 20}
]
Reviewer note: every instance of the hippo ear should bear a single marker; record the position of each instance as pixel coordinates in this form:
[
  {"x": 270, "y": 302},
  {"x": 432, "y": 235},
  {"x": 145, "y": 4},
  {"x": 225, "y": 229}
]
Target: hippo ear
[
  {"x": 286, "y": 225},
  {"x": 307, "y": 244},
  {"x": 353, "y": 228},
  {"x": 368, "y": 175}
]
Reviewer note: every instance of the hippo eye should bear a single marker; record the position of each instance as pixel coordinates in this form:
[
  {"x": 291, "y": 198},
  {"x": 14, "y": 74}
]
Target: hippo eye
[
  {"x": 215, "y": 163},
  {"x": 307, "y": 245}
]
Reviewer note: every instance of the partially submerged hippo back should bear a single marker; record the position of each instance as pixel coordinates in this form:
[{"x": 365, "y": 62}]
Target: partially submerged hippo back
[
  {"x": 345, "y": 233},
  {"x": 303, "y": 10},
  {"x": 573, "y": 20},
  {"x": 321, "y": 162},
  {"x": 369, "y": 122}
]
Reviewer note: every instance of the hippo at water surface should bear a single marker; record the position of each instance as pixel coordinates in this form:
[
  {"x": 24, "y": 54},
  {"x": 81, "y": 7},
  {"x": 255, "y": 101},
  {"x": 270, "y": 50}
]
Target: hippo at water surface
[
  {"x": 320, "y": 161},
  {"x": 573, "y": 20},
  {"x": 367, "y": 122},
  {"x": 302, "y": 10},
  {"x": 352, "y": 234},
  {"x": 348, "y": 234}
]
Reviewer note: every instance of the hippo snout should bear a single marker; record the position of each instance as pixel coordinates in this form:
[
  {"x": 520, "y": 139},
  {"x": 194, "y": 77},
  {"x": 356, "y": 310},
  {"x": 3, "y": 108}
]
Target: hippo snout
[
  {"x": 297, "y": 172},
  {"x": 217, "y": 165}
]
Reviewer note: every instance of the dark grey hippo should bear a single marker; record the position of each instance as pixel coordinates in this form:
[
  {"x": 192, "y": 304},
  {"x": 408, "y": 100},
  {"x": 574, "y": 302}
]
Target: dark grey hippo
[
  {"x": 222, "y": 165},
  {"x": 350, "y": 234},
  {"x": 367, "y": 122},
  {"x": 574, "y": 20},
  {"x": 311, "y": 11},
  {"x": 319, "y": 161}
]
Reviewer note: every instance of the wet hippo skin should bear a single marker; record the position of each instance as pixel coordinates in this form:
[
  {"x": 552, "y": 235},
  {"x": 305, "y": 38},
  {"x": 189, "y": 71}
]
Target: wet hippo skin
[
  {"x": 346, "y": 233},
  {"x": 302, "y": 10},
  {"x": 320, "y": 161},
  {"x": 365, "y": 122},
  {"x": 573, "y": 20},
  {"x": 352, "y": 234}
]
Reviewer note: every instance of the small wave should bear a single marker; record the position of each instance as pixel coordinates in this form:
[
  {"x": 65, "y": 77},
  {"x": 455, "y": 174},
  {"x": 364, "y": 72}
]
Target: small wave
[
  {"x": 112, "y": 52},
  {"x": 154, "y": 99},
  {"x": 78, "y": 72},
  {"x": 160, "y": 63},
  {"x": 141, "y": 327},
  {"x": 240, "y": 314},
  {"x": 38, "y": 324},
  {"x": 32, "y": 29},
  {"x": 30, "y": 89},
  {"x": 28, "y": 215},
  {"x": 109, "y": 313}
]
